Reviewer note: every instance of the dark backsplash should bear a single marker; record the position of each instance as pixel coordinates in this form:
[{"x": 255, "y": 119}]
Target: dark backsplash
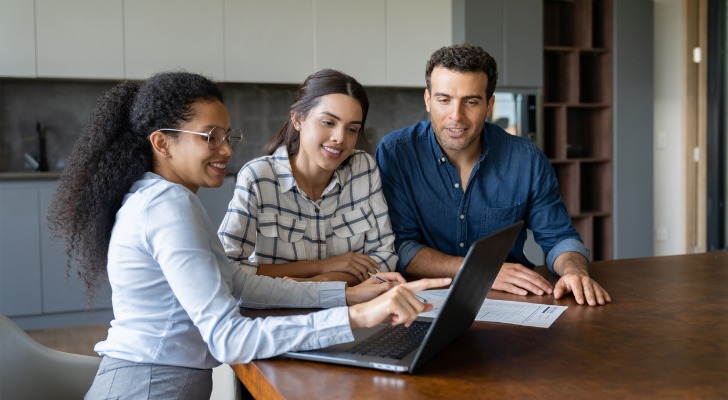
[{"x": 62, "y": 106}]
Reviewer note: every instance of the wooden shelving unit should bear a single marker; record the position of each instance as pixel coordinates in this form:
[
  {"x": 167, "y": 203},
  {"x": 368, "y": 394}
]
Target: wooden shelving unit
[{"x": 577, "y": 114}]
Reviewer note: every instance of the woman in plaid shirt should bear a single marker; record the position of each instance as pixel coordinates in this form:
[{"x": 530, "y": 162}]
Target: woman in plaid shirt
[{"x": 313, "y": 208}]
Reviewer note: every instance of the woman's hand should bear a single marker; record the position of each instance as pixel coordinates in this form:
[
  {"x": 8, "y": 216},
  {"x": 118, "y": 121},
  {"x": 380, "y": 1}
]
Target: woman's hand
[
  {"x": 398, "y": 305},
  {"x": 373, "y": 287},
  {"x": 357, "y": 264}
]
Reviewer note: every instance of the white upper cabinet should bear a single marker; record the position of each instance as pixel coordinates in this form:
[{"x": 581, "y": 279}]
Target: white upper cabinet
[
  {"x": 415, "y": 29},
  {"x": 350, "y": 37},
  {"x": 17, "y": 38},
  {"x": 268, "y": 41},
  {"x": 79, "y": 39},
  {"x": 164, "y": 35}
]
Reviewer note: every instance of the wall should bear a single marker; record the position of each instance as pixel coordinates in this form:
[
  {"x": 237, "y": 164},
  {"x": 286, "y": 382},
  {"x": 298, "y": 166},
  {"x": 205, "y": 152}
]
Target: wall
[
  {"x": 669, "y": 160},
  {"x": 62, "y": 106},
  {"x": 633, "y": 129}
]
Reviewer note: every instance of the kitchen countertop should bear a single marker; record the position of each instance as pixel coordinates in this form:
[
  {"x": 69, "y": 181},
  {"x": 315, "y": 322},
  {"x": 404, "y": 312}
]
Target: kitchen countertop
[{"x": 29, "y": 175}]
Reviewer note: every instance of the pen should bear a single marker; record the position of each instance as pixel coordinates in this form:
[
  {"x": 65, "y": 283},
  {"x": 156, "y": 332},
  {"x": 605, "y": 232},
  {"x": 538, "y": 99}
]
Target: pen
[{"x": 382, "y": 280}]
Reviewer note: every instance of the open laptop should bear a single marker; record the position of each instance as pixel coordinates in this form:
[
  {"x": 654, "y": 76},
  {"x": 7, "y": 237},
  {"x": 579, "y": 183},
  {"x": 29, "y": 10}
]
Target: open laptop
[{"x": 414, "y": 346}]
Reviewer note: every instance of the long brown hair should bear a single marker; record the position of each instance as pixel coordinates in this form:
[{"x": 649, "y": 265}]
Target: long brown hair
[{"x": 321, "y": 83}]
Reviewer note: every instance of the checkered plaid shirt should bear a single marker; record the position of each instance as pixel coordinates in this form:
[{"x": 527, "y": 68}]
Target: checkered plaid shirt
[{"x": 271, "y": 221}]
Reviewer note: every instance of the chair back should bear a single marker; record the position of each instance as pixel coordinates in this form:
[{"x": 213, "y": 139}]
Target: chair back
[{"x": 29, "y": 370}]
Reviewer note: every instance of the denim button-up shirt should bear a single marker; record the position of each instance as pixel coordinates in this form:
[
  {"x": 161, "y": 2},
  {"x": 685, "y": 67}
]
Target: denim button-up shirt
[{"x": 511, "y": 181}]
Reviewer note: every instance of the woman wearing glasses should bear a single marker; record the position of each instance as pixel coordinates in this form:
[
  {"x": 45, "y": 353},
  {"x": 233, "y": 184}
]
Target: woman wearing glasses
[
  {"x": 313, "y": 209},
  {"x": 127, "y": 210}
]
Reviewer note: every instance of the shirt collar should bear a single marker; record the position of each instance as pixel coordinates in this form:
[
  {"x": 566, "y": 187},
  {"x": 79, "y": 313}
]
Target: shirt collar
[
  {"x": 284, "y": 172},
  {"x": 440, "y": 156}
]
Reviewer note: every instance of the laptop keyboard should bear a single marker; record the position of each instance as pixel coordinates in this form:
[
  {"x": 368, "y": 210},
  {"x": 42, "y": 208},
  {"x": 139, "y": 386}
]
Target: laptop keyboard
[{"x": 394, "y": 342}]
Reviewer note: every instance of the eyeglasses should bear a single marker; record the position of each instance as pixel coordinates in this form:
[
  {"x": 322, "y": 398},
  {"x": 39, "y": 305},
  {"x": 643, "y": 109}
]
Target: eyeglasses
[{"x": 216, "y": 136}]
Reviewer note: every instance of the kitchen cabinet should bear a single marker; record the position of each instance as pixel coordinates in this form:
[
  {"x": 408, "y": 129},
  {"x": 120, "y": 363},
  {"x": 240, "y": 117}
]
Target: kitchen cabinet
[
  {"x": 268, "y": 41},
  {"x": 61, "y": 293},
  {"x": 415, "y": 29},
  {"x": 33, "y": 281},
  {"x": 17, "y": 38},
  {"x": 79, "y": 39},
  {"x": 509, "y": 30},
  {"x": 20, "y": 273},
  {"x": 350, "y": 36},
  {"x": 173, "y": 34}
]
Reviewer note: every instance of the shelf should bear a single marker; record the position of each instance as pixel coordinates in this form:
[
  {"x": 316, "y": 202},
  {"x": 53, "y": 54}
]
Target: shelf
[{"x": 578, "y": 116}]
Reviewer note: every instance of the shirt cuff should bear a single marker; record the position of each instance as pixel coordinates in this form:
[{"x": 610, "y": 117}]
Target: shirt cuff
[
  {"x": 562, "y": 247},
  {"x": 406, "y": 252},
  {"x": 332, "y": 327},
  {"x": 332, "y": 294}
]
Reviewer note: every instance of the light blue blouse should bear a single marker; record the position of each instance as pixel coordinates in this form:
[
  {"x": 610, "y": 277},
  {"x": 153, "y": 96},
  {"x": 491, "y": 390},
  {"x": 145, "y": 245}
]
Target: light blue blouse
[{"x": 176, "y": 296}]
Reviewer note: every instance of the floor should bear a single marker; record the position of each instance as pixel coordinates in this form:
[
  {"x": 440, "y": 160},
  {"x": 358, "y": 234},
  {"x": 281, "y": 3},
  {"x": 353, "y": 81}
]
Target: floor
[{"x": 79, "y": 340}]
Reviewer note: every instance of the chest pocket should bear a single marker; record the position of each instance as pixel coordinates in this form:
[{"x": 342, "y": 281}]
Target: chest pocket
[
  {"x": 350, "y": 229},
  {"x": 498, "y": 218},
  {"x": 281, "y": 227}
]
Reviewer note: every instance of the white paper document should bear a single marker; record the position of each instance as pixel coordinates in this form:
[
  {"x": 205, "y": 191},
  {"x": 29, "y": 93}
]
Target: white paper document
[{"x": 502, "y": 311}]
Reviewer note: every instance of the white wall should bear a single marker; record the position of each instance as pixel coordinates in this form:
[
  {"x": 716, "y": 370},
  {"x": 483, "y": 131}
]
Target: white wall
[{"x": 669, "y": 150}]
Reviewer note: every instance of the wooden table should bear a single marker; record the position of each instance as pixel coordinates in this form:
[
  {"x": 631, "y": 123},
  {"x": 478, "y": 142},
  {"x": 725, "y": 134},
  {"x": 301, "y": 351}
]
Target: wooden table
[{"x": 665, "y": 335}]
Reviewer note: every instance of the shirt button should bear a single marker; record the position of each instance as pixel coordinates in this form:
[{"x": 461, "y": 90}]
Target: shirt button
[
  {"x": 442, "y": 159},
  {"x": 462, "y": 244},
  {"x": 457, "y": 185},
  {"x": 462, "y": 216},
  {"x": 316, "y": 210}
]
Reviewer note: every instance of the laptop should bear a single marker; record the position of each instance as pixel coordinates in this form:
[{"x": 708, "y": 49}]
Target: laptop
[{"x": 412, "y": 347}]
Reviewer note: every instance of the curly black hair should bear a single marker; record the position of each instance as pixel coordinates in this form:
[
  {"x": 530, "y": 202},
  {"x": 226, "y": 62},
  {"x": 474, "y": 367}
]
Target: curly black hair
[
  {"x": 112, "y": 151},
  {"x": 308, "y": 96},
  {"x": 464, "y": 58}
]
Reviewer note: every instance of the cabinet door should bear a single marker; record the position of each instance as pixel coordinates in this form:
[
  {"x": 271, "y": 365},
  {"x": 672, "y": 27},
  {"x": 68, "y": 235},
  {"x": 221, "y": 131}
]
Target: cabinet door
[
  {"x": 20, "y": 289},
  {"x": 523, "y": 43},
  {"x": 173, "y": 34},
  {"x": 415, "y": 29},
  {"x": 61, "y": 293},
  {"x": 17, "y": 38},
  {"x": 268, "y": 41},
  {"x": 79, "y": 38},
  {"x": 512, "y": 32},
  {"x": 350, "y": 37}
]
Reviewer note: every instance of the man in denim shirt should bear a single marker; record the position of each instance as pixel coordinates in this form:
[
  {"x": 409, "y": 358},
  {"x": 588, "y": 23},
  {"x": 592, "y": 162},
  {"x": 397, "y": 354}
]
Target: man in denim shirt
[{"x": 456, "y": 178}]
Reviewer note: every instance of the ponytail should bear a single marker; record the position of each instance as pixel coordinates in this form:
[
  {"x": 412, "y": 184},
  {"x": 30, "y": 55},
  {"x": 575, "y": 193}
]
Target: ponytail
[{"x": 106, "y": 159}]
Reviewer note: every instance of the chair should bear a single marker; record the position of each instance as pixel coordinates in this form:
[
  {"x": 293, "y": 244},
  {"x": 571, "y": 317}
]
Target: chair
[
  {"x": 29, "y": 370},
  {"x": 226, "y": 386}
]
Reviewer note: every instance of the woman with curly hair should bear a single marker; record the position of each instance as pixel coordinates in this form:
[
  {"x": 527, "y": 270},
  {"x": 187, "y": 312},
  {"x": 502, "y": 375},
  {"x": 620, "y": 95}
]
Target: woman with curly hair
[
  {"x": 127, "y": 210},
  {"x": 312, "y": 208}
]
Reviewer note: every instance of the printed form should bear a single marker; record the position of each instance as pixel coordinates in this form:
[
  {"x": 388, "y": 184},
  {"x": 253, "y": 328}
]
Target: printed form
[{"x": 502, "y": 311}]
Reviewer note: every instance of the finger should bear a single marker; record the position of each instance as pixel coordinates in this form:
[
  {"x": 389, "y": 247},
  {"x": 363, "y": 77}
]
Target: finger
[
  {"x": 588, "y": 290},
  {"x": 404, "y": 307},
  {"x": 395, "y": 277},
  {"x": 359, "y": 270},
  {"x": 601, "y": 294},
  {"x": 513, "y": 284},
  {"x": 424, "y": 284},
  {"x": 527, "y": 279},
  {"x": 367, "y": 263},
  {"x": 577, "y": 290}
]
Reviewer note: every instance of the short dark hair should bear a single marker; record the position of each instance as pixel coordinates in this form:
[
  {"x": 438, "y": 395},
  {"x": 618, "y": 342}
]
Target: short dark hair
[
  {"x": 308, "y": 96},
  {"x": 464, "y": 58}
]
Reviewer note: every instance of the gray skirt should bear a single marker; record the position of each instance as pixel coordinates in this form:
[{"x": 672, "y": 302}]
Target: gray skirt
[{"x": 120, "y": 379}]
